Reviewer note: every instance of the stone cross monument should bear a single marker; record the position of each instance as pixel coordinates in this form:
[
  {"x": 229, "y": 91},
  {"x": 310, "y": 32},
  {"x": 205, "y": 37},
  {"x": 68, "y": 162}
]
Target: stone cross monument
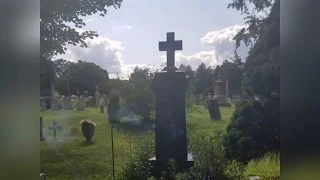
[
  {"x": 170, "y": 46},
  {"x": 170, "y": 86}
]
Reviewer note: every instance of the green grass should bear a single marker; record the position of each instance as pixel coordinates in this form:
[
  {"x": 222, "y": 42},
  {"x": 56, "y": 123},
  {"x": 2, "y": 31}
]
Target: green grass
[{"x": 72, "y": 158}]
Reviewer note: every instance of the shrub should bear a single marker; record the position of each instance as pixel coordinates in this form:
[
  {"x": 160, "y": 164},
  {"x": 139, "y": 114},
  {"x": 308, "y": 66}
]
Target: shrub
[
  {"x": 142, "y": 103},
  {"x": 208, "y": 154},
  {"x": 254, "y": 130},
  {"x": 136, "y": 165}
]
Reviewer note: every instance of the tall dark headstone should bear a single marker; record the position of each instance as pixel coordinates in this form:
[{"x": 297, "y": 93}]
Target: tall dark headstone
[
  {"x": 214, "y": 110},
  {"x": 171, "y": 137},
  {"x": 42, "y": 138}
]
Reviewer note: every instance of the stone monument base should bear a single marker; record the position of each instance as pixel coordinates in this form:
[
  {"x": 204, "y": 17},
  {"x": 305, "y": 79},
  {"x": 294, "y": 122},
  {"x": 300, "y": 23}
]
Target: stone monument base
[
  {"x": 226, "y": 104},
  {"x": 157, "y": 167},
  {"x": 222, "y": 101}
]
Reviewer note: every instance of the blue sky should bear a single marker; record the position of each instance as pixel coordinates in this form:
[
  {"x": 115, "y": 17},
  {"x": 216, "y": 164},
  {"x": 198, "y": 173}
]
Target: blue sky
[{"x": 129, "y": 36}]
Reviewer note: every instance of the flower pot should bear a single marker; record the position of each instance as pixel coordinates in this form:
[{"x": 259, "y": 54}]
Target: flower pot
[{"x": 88, "y": 131}]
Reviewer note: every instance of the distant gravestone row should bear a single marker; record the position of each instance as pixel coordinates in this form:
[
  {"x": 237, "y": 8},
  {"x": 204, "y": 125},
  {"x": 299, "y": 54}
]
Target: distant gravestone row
[{"x": 80, "y": 102}]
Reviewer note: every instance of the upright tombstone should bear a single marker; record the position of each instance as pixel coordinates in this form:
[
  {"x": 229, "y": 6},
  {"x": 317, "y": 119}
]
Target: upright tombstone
[
  {"x": 81, "y": 104},
  {"x": 227, "y": 89},
  {"x": 170, "y": 86},
  {"x": 85, "y": 94},
  {"x": 66, "y": 104},
  {"x": 214, "y": 110},
  {"x": 54, "y": 104},
  {"x": 43, "y": 104},
  {"x": 220, "y": 93},
  {"x": 42, "y": 138},
  {"x": 97, "y": 98},
  {"x": 54, "y": 101}
]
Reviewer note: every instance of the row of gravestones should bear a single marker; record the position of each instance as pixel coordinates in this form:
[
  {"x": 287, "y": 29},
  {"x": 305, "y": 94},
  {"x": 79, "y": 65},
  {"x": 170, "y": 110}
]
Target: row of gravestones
[
  {"x": 66, "y": 103},
  {"x": 55, "y": 104}
]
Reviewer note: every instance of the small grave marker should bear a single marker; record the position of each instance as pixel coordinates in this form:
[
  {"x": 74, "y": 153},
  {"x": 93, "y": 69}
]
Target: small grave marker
[
  {"x": 74, "y": 131},
  {"x": 55, "y": 127}
]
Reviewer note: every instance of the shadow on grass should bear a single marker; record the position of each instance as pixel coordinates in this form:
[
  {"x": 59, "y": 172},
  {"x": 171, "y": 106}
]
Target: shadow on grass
[{"x": 85, "y": 143}]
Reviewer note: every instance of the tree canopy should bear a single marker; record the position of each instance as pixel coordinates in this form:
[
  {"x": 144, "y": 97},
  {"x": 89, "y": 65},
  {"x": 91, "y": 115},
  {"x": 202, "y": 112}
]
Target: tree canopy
[
  {"x": 254, "y": 129},
  {"x": 82, "y": 76},
  {"x": 59, "y": 21}
]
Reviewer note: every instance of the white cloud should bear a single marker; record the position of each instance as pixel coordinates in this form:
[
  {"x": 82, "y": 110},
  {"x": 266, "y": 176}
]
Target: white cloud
[
  {"x": 127, "y": 69},
  {"x": 127, "y": 27},
  {"x": 222, "y": 41},
  {"x": 222, "y": 44},
  {"x": 88, "y": 20},
  {"x": 105, "y": 52},
  {"x": 194, "y": 60}
]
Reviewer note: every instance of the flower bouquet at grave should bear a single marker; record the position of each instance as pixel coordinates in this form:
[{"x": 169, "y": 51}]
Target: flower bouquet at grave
[{"x": 88, "y": 128}]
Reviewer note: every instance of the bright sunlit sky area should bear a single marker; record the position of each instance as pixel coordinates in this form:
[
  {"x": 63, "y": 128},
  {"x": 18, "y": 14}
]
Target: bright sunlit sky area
[{"x": 129, "y": 36}]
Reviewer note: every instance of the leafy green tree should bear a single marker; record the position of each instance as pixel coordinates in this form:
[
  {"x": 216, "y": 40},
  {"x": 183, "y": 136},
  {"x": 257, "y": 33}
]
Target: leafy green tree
[
  {"x": 233, "y": 72},
  {"x": 190, "y": 93},
  {"x": 59, "y": 20},
  {"x": 254, "y": 128},
  {"x": 81, "y": 76},
  {"x": 47, "y": 77},
  {"x": 188, "y": 70},
  {"x": 141, "y": 99},
  {"x": 204, "y": 79}
]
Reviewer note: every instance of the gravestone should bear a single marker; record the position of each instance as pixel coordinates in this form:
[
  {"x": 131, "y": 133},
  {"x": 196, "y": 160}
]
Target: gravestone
[
  {"x": 55, "y": 127},
  {"x": 42, "y": 176},
  {"x": 220, "y": 93},
  {"x": 92, "y": 102},
  {"x": 97, "y": 98},
  {"x": 81, "y": 104},
  {"x": 113, "y": 109},
  {"x": 43, "y": 104},
  {"x": 74, "y": 131},
  {"x": 66, "y": 103},
  {"x": 85, "y": 94},
  {"x": 106, "y": 100},
  {"x": 170, "y": 87},
  {"x": 89, "y": 103},
  {"x": 54, "y": 104},
  {"x": 42, "y": 138},
  {"x": 60, "y": 103},
  {"x": 214, "y": 110},
  {"x": 205, "y": 103}
]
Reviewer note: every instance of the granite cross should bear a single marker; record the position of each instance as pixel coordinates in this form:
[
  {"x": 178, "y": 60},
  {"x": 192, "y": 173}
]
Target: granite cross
[{"x": 170, "y": 46}]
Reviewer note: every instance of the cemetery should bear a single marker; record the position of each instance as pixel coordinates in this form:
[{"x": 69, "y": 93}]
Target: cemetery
[
  {"x": 78, "y": 140},
  {"x": 175, "y": 110}
]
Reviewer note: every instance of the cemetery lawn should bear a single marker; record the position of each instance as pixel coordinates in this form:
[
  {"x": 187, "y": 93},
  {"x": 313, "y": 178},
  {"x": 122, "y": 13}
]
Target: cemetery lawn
[{"x": 69, "y": 157}]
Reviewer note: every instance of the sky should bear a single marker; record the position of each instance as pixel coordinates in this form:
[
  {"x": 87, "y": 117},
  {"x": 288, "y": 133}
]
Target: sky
[{"x": 129, "y": 36}]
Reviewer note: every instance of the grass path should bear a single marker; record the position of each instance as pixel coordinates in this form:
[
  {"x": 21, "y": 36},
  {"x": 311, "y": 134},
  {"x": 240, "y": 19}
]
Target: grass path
[{"x": 70, "y": 158}]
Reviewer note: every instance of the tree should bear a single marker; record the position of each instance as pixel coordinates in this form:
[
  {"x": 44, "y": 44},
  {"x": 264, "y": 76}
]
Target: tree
[
  {"x": 47, "y": 77},
  {"x": 188, "y": 70},
  {"x": 81, "y": 76},
  {"x": 56, "y": 18},
  {"x": 141, "y": 99},
  {"x": 190, "y": 93},
  {"x": 233, "y": 72},
  {"x": 254, "y": 128},
  {"x": 204, "y": 79}
]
